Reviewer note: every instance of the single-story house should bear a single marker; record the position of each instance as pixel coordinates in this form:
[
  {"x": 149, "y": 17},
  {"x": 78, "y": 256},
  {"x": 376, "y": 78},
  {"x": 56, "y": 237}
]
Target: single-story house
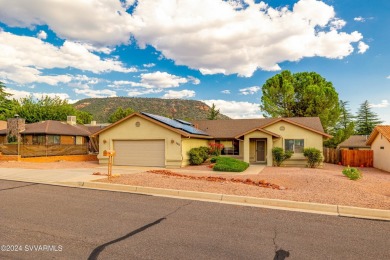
[
  {"x": 355, "y": 142},
  {"x": 47, "y": 133},
  {"x": 379, "y": 140},
  {"x": 145, "y": 139}
]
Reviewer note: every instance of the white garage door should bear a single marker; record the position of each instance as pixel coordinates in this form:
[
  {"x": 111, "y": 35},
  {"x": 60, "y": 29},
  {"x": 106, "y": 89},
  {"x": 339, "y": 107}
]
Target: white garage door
[{"x": 140, "y": 153}]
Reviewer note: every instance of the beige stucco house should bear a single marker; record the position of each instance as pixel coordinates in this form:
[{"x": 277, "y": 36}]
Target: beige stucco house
[
  {"x": 380, "y": 144},
  {"x": 148, "y": 140}
]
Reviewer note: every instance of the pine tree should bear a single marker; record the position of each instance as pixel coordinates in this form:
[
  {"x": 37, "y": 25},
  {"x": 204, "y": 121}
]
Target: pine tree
[
  {"x": 213, "y": 113},
  {"x": 366, "y": 119}
]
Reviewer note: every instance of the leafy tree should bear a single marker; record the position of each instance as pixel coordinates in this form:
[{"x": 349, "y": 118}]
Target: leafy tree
[
  {"x": 5, "y": 104},
  {"x": 119, "y": 114},
  {"x": 213, "y": 114},
  {"x": 304, "y": 94},
  {"x": 366, "y": 119},
  {"x": 48, "y": 108},
  {"x": 344, "y": 128}
]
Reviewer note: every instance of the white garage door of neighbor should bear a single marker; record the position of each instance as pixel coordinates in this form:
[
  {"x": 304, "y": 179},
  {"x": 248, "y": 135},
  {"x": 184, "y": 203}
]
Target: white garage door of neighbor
[{"x": 140, "y": 153}]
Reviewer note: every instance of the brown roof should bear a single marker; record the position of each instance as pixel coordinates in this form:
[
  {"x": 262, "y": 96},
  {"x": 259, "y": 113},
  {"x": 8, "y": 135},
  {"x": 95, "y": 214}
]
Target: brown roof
[
  {"x": 237, "y": 127},
  {"x": 379, "y": 129},
  {"x": 355, "y": 141},
  {"x": 56, "y": 128}
]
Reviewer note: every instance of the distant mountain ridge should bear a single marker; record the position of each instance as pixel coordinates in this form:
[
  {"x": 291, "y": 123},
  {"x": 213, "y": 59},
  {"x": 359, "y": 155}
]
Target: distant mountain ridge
[{"x": 102, "y": 108}]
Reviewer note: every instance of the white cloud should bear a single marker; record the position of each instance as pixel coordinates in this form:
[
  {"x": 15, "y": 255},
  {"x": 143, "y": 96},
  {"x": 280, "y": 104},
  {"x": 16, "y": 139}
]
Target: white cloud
[
  {"x": 384, "y": 103},
  {"x": 388, "y": 77},
  {"x": 23, "y": 58},
  {"x": 250, "y": 90},
  {"x": 214, "y": 36},
  {"x": 96, "y": 93},
  {"x": 337, "y": 24},
  {"x": 99, "y": 22},
  {"x": 42, "y": 35},
  {"x": 226, "y": 91},
  {"x": 362, "y": 47},
  {"x": 140, "y": 92},
  {"x": 193, "y": 80},
  {"x": 161, "y": 80},
  {"x": 236, "y": 109},
  {"x": 171, "y": 94},
  {"x": 149, "y": 65},
  {"x": 359, "y": 19},
  {"x": 18, "y": 94}
]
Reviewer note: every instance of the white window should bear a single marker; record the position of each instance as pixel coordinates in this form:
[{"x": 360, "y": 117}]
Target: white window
[{"x": 295, "y": 145}]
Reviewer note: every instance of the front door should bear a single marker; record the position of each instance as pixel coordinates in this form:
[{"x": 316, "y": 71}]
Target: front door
[{"x": 260, "y": 150}]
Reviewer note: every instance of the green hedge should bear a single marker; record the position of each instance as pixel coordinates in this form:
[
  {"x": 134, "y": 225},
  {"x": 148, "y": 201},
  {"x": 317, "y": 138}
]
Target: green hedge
[
  {"x": 198, "y": 155},
  {"x": 227, "y": 164}
]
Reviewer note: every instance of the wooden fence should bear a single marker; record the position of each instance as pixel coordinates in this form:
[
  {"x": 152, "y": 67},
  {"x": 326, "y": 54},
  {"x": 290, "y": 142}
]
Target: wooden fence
[
  {"x": 353, "y": 158},
  {"x": 43, "y": 150}
]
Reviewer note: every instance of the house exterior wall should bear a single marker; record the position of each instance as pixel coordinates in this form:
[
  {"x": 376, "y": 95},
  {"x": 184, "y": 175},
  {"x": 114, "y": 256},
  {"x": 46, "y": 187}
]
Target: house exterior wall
[
  {"x": 128, "y": 130},
  {"x": 381, "y": 156},
  {"x": 311, "y": 140},
  {"x": 187, "y": 144}
]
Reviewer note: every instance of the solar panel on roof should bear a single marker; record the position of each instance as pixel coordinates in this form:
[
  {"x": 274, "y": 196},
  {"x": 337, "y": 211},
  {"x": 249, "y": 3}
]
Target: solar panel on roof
[
  {"x": 184, "y": 122},
  {"x": 176, "y": 124}
]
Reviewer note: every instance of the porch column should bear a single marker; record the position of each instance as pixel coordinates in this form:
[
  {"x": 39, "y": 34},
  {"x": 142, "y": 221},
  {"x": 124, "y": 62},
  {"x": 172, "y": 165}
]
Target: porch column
[
  {"x": 270, "y": 145},
  {"x": 246, "y": 149}
]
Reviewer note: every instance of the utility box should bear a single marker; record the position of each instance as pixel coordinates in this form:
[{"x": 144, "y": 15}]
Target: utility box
[{"x": 108, "y": 153}]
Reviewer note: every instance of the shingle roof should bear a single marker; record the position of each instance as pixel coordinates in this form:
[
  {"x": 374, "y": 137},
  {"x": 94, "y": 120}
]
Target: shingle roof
[
  {"x": 236, "y": 127},
  {"x": 382, "y": 129},
  {"x": 56, "y": 127},
  {"x": 355, "y": 141}
]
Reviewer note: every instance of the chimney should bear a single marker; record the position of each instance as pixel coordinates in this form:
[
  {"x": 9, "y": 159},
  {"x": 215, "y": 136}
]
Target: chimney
[
  {"x": 71, "y": 120},
  {"x": 93, "y": 123},
  {"x": 14, "y": 127}
]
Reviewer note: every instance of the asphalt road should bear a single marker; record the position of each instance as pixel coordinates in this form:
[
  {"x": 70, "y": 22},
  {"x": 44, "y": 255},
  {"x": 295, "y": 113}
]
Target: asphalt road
[{"x": 50, "y": 222}]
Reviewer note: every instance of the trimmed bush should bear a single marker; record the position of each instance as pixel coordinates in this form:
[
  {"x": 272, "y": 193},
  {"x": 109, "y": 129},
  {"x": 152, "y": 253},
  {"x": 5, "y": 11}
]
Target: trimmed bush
[
  {"x": 314, "y": 157},
  {"x": 214, "y": 159},
  {"x": 227, "y": 164},
  {"x": 204, "y": 152},
  {"x": 195, "y": 156},
  {"x": 352, "y": 173},
  {"x": 279, "y": 155}
]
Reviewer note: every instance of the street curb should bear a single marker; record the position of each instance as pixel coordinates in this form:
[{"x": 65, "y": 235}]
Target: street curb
[{"x": 327, "y": 209}]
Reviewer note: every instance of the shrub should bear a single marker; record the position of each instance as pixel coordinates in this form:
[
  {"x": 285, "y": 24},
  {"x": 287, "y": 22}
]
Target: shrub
[
  {"x": 195, "y": 156},
  {"x": 215, "y": 149},
  {"x": 279, "y": 155},
  {"x": 204, "y": 152},
  {"x": 314, "y": 157},
  {"x": 227, "y": 164},
  {"x": 352, "y": 173},
  {"x": 214, "y": 159}
]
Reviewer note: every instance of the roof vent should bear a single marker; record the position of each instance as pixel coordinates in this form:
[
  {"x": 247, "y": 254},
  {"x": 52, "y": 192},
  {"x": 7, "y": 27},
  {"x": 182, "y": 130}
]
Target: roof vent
[{"x": 71, "y": 120}]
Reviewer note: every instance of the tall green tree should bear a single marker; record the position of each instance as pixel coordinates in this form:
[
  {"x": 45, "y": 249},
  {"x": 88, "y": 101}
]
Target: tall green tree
[
  {"x": 344, "y": 128},
  {"x": 304, "y": 94},
  {"x": 119, "y": 114},
  {"x": 214, "y": 112},
  {"x": 48, "y": 108},
  {"x": 6, "y": 105},
  {"x": 366, "y": 119}
]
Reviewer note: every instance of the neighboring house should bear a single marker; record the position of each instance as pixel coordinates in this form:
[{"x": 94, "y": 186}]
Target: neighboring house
[
  {"x": 355, "y": 142},
  {"x": 379, "y": 140},
  {"x": 48, "y": 133},
  {"x": 148, "y": 140}
]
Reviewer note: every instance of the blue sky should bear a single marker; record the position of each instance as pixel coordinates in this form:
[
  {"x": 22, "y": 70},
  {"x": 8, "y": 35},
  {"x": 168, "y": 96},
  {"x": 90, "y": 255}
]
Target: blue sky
[{"x": 216, "y": 51}]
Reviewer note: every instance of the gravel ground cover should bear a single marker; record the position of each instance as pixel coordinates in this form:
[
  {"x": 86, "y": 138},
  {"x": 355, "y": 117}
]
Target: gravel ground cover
[{"x": 326, "y": 185}]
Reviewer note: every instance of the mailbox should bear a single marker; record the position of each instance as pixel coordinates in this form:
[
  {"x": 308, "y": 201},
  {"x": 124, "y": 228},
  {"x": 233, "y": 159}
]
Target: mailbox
[{"x": 108, "y": 153}]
